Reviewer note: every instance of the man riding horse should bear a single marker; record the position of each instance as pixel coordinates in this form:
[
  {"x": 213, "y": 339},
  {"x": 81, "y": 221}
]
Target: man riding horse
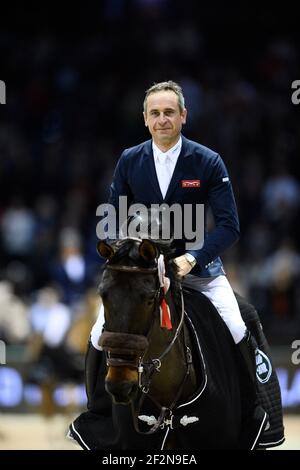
[{"x": 171, "y": 169}]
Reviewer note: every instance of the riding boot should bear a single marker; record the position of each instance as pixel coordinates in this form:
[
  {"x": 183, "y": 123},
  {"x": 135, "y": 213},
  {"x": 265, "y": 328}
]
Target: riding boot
[
  {"x": 248, "y": 354},
  {"x": 95, "y": 371},
  {"x": 257, "y": 418}
]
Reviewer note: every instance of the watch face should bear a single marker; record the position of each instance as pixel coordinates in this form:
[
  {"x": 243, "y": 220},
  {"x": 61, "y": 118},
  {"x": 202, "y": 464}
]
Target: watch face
[{"x": 190, "y": 259}]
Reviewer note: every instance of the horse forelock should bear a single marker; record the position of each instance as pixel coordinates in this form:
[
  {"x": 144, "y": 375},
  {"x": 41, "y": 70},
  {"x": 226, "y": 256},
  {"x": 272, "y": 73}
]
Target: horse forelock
[
  {"x": 127, "y": 253},
  {"x": 127, "y": 250}
]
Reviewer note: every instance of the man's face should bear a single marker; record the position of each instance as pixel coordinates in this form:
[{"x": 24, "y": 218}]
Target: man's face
[{"x": 163, "y": 117}]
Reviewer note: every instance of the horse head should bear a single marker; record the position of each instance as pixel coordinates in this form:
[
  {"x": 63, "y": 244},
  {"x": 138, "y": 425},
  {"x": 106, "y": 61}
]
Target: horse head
[{"x": 132, "y": 294}]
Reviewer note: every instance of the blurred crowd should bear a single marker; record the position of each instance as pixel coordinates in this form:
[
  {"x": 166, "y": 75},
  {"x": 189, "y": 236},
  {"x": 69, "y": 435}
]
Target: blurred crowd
[{"x": 75, "y": 102}]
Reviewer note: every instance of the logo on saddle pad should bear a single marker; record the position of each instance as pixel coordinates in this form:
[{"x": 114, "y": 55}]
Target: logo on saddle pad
[{"x": 263, "y": 366}]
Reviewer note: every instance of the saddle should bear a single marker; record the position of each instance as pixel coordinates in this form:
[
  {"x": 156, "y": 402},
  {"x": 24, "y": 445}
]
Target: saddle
[{"x": 99, "y": 430}]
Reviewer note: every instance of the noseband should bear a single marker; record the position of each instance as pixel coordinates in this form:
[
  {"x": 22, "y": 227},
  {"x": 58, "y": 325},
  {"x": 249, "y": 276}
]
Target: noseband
[{"x": 133, "y": 347}]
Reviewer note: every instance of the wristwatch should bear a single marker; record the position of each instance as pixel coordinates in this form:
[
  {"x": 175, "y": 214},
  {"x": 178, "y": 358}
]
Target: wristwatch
[{"x": 190, "y": 259}]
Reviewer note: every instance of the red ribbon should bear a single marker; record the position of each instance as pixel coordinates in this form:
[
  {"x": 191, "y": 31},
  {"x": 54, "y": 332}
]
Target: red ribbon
[{"x": 165, "y": 315}]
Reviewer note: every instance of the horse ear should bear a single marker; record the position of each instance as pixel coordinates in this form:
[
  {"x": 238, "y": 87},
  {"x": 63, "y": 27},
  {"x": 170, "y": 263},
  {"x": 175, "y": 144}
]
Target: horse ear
[
  {"x": 148, "y": 250},
  {"x": 105, "y": 250}
]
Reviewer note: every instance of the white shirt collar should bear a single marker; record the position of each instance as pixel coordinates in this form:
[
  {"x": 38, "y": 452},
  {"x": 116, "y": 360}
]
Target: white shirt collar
[{"x": 173, "y": 152}]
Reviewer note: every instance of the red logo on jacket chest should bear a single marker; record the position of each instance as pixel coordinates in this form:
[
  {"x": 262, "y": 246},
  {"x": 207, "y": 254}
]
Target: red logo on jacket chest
[{"x": 190, "y": 183}]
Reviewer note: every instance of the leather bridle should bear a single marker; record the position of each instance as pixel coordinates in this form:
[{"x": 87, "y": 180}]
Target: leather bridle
[{"x": 147, "y": 369}]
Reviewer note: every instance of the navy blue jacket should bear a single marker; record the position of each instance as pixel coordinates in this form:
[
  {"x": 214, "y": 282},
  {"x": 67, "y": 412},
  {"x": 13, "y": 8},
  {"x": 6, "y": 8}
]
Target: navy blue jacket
[{"x": 135, "y": 177}]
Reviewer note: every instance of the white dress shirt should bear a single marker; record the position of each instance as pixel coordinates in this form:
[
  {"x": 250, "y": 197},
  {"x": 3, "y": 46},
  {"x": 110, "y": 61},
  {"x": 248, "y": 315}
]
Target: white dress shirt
[{"x": 165, "y": 163}]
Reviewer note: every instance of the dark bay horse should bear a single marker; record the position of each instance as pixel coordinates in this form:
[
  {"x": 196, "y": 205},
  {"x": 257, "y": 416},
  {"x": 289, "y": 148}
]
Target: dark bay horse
[{"x": 173, "y": 387}]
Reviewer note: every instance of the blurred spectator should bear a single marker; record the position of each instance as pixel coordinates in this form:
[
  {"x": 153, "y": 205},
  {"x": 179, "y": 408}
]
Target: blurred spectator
[
  {"x": 52, "y": 359},
  {"x": 281, "y": 195},
  {"x": 71, "y": 271},
  {"x": 276, "y": 287},
  {"x": 50, "y": 318},
  {"x": 86, "y": 315},
  {"x": 18, "y": 226},
  {"x": 282, "y": 267},
  {"x": 14, "y": 319}
]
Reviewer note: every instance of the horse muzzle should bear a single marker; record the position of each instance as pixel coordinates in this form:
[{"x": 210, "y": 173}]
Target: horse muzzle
[{"x": 124, "y": 352}]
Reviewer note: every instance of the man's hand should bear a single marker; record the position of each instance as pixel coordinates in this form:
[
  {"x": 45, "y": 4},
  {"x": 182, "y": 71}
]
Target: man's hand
[{"x": 184, "y": 265}]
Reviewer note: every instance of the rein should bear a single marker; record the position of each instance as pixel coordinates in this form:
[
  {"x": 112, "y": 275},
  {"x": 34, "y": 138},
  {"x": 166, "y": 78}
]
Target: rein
[{"x": 148, "y": 369}]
